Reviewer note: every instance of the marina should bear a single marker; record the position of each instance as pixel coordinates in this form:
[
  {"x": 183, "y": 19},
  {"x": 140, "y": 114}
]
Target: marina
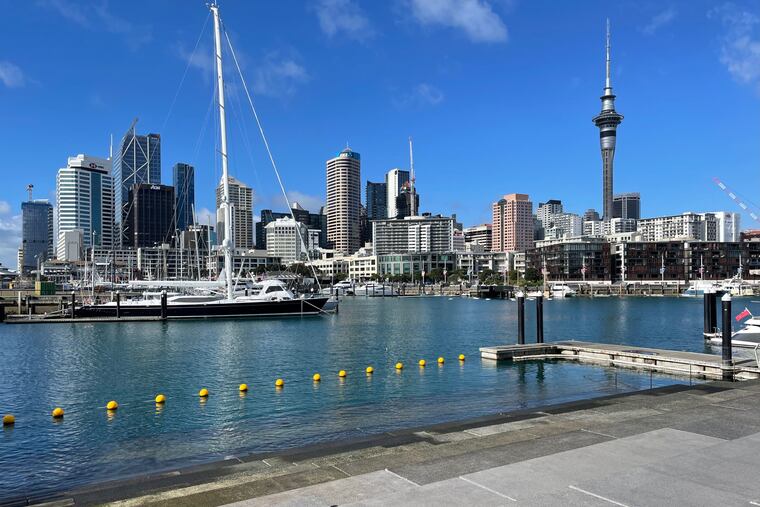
[{"x": 81, "y": 366}]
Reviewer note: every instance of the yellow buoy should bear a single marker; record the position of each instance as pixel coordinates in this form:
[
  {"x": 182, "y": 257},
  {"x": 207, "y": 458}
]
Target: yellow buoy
[
  {"x": 279, "y": 382},
  {"x": 203, "y": 393},
  {"x": 440, "y": 360},
  {"x": 342, "y": 373},
  {"x": 316, "y": 377},
  {"x": 57, "y": 412},
  {"x": 112, "y": 405},
  {"x": 422, "y": 362},
  {"x": 461, "y": 357},
  {"x": 160, "y": 398},
  {"x": 8, "y": 420},
  {"x": 399, "y": 366},
  {"x": 370, "y": 370},
  {"x": 243, "y": 388}
]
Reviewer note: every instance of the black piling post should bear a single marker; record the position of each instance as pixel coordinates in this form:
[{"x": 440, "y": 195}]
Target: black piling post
[
  {"x": 726, "y": 327},
  {"x": 163, "y": 305},
  {"x": 713, "y": 311},
  {"x": 707, "y": 329},
  {"x": 2, "y": 313},
  {"x": 118, "y": 304},
  {"x": 521, "y": 318},
  {"x": 539, "y": 319}
]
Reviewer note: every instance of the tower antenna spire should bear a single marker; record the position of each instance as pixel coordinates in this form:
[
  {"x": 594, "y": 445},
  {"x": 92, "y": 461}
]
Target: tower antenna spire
[
  {"x": 411, "y": 178},
  {"x": 607, "y": 83}
]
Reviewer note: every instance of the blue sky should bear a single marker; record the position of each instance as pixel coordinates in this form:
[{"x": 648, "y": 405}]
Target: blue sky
[{"x": 498, "y": 95}]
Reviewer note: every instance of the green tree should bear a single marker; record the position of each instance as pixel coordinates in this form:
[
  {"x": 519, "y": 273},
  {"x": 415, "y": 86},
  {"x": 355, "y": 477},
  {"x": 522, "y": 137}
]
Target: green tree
[
  {"x": 532, "y": 275},
  {"x": 486, "y": 275},
  {"x": 436, "y": 275}
]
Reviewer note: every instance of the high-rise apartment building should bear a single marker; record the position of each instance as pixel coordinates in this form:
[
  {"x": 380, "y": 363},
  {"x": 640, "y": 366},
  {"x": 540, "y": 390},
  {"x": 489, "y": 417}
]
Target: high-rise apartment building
[
  {"x": 512, "y": 228},
  {"x": 344, "y": 202},
  {"x": 716, "y": 226},
  {"x": 479, "y": 235},
  {"x": 377, "y": 200},
  {"x": 183, "y": 179},
  {"x": 291, "y": 240},
  {"x": 395, "y": 180},
  {"x": 627, "y": 206},
  {"x": 417, "y": 234},
  {"x": 241, "y": 200},
  {"x": 36, "y": 233},
  {"x": 314, "y": 221},
  {"x": 150, "y": 217},
  {"x": 607, "y": 121},
  {"x": 85, "y": 199},
  {"x": 137, "y": 161}
]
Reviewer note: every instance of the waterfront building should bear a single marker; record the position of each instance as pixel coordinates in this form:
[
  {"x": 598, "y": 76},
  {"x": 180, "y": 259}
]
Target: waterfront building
[
  {"x": 244, "y": 261},
  {"x": 183, "y": 178},
  {"x": 241, "y": 200},
  {"x": 479, "y": 235},
  {"x": 310, "y": 220},
  {"x": 137, "y": 161},
  {"x": 362, "y": 267},
  {"x": 416, "y": 234},
  {"x": 413, "y": 264},
  {"x": 344, "y": 202},
  {"x": 627, "y": 206},
  {"x": 395, "y": 180},
  {"x": 85, "y": 200},
  {"x": 291, "y": 241},
  {"x": 474, "y": 263},
  {"x": 377, "y": 200},
  {"x": 607, "y": 121},
  {"x": 150, "y": 217},
  {"x": 512, "y": 223},
  {"x": 70, "y": 245},
  {"x": 331, "y": 266},
  {"x": 573, "y": 259},
  {"x": 36, "y": 234}
]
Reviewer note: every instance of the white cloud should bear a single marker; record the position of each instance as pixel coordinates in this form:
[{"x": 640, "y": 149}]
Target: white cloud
[
  {"x": 11, "y": 75},
  {"x": 97, "y": 16},
  {"x": 422, "y": 95},
  {"x": 278, "y": 75},
  {"x": 659, "y": 20},
  {"x": 740, "y": 45},
  {"x": 205, "y": 216},
  {"x": 5, "y": 208},
  {"x": 10, "y": 238},
  {"x": 475, "y": 17},
  {"x": 343, "y": 17}
]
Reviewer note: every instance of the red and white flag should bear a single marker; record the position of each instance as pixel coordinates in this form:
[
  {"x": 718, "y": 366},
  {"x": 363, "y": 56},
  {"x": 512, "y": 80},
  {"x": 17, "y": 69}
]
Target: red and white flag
[{"x": 743, "y": 315}]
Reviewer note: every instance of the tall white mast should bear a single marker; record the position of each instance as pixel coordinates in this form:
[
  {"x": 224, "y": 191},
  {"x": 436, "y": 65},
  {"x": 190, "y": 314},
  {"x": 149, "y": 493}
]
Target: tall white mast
[{"x": 228, "y": 242}]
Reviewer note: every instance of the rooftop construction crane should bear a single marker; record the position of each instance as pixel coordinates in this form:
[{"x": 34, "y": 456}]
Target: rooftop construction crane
[{"x": 737, "y": 200}]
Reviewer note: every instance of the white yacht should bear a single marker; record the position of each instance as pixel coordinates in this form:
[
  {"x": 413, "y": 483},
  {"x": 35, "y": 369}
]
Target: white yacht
[
  {"x": 342, "y": 288},
  {"x": 562, "y": 291},
  {"x": 748, "y": 336},
  {"x": 375, "y": 289},
  {"x": 697, "y": 288}
]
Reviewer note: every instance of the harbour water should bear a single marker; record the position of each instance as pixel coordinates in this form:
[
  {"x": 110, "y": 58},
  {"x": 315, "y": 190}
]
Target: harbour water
[{"x": 80, "y": 367}]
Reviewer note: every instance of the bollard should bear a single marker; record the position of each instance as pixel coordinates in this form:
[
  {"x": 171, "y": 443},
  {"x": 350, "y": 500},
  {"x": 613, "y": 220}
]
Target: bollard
[
  {"x": 73, "y": 304},
  {"x": 521, "y": 318},
  {"x": 727, "y": 352},
  {"x": 2, "y": 313},
  {"x": 539, "y": 319},
  {"x": 163, "y": 305},
  {"x": 118, "y": 304}
]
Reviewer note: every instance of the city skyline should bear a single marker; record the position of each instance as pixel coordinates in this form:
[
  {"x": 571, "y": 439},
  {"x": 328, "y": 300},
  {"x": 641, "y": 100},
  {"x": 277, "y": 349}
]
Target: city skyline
[{"x": 670, "y": 183}]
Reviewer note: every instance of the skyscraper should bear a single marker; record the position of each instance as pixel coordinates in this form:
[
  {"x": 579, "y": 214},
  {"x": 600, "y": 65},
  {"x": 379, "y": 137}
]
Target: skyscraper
[
  {"x": 394, "y": 181},
  {"x": 138, "y": 160},
  {"x": 183, "y": 178},
  {"x": 36, "y": 232},
  {"x": 627, "y": 206},
  {"x": 377, "y": 200},
  {"x": 313, "y": 221},
  {"x": 150, "y": 217},
  {"x": 85, "y": 199},
  {"x": 512, "y": 228},
  {"x": 343, "y": 201},
  {"x": 607, "y": 121},
  {"x": 241, "y": 200},
  {"x": 407, "y": 202}
]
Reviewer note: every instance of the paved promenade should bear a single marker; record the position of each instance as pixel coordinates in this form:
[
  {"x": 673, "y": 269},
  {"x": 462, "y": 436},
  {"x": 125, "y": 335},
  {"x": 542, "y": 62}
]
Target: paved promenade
[{"x": 682, "y": 445}]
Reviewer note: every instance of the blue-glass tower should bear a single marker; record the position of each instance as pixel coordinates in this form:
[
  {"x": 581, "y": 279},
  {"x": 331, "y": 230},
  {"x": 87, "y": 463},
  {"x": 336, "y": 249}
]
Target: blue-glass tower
[
  {"x": 183, "y": 178},
  {"x": 36, "y": 233}
]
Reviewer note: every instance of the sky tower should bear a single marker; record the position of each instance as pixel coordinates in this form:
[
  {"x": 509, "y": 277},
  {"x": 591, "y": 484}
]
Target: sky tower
[{"x": 607, "y": 121}]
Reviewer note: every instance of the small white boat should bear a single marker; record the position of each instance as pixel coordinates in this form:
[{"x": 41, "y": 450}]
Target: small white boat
[
  {"x": 562, "y": 291},
  {"x": 375, "y": 289},
  {"x": 698, "y": 287},
  {"x": 342, "y": 288},
  {"x": 748, "y": 336}
]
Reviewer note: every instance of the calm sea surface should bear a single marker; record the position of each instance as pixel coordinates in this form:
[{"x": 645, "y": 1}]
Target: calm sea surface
[{"x": 81, "y": 367}]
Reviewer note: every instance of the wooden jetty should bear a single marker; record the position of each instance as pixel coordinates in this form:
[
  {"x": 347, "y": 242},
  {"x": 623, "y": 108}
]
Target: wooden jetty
[{"x": 655, "y": 360}]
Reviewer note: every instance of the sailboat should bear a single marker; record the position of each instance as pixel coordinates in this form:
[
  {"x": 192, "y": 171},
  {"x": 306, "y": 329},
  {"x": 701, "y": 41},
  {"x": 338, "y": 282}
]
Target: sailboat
[{"x": 266, "y": 299}]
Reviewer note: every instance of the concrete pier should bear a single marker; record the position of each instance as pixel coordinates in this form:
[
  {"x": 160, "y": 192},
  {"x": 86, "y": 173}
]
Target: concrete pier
[{"x": 675, "y": 362}]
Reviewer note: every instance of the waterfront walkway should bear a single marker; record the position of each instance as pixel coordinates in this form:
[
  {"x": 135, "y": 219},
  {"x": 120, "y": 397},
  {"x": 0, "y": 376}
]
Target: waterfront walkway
[{"x": 681, "y": 445}]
